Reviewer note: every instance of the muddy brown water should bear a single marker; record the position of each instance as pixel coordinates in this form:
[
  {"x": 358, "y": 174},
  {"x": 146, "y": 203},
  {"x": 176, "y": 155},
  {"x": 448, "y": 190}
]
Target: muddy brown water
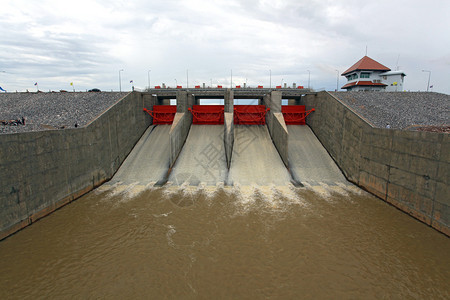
[{"x": 242, "y": 242}]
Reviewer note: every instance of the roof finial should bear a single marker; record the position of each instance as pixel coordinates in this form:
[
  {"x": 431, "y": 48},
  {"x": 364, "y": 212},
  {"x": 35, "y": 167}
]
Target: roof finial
[{"x": 366, "y": 50}]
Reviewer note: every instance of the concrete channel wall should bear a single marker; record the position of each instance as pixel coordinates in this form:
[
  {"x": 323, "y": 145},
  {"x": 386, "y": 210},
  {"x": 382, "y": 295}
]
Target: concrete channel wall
[
  {"x": 276, "y": 125},
  {"x": 279, "y": 134},
  {"x": 408, "y": 169},
  {"x": 181, "y": 124},
  {"x": 42, "y": 171},
  {"x": 178, "y": 134},
  {"x": 228, "y": 136}
]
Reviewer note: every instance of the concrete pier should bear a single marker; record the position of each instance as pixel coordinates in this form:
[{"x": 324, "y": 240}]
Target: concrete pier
[
  {"x": 276, "y": 125},
  {"x": 228, "y": 137}
]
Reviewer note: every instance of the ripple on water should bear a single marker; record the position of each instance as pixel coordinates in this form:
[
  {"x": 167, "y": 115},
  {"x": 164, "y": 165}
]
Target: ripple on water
[{"x": 131, "y": 240}]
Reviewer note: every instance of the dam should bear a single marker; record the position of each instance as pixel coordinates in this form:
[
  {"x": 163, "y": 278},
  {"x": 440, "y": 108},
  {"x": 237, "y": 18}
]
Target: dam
[{"x": 194, "y": 201}]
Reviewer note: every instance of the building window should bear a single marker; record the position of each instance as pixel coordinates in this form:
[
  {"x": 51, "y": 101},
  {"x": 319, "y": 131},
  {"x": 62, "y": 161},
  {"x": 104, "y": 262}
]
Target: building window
[
  {"x": 365, "y": 75},
  {"x": 384, "y": 77},
  {"x": 351, "y": 77}
]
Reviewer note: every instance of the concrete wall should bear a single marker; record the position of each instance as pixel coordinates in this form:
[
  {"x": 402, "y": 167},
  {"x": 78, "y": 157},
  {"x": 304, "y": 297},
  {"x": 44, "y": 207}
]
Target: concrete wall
[
  {"x": 228, "y": 136},
  {"x": 178, "y": 134},
  {"x": 279, "y": 133},
  {"x": 229, "y": 101},
  {"x": 276, "y": 125},
  {"x": 408, "y": 169},
  {"x": 42, "y": 171},
  {"x": 182, "y": 101},
  {"x": 148, "y": 100},
  {"x": 181, "y": 124}
]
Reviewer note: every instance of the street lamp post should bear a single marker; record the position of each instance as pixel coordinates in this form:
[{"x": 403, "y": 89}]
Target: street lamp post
[
  {"x": 148, "y": 77},
  {"x": 309, "y": 78},
  {"x": 120, "y": 81},
  {"x": 231, "y": 80},
  {"x": 270, "y": 78},
  {"x": 429, "y": 76},
  {"x": 337, "y": 80}
]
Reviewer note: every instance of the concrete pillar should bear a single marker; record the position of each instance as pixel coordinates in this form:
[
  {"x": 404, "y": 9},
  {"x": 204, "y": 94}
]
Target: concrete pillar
[
  {"x": 228, "y": 136},
  {"x": 273, "y": 101},
  {"x": 181, "y": 125},
  {"x": 294, "y": 102},
  {"x": 148, "y": 101},
  {"x": 229, "y": 100},
  {"x": 276, "y": 125},
  {"x": 191, "y": 100},
  {"x": 163, "y": 102},
  {"x": 182, "y": 101}
]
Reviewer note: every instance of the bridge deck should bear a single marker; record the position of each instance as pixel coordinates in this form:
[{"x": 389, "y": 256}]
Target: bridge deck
[{"x": 242, "y": 93}]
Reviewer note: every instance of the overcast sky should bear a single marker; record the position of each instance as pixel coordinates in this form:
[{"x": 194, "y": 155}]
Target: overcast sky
[{"x": 87, "y": 42}]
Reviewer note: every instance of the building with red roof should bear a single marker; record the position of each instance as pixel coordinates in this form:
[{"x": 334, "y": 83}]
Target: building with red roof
[{"x": 369, "y": 75}]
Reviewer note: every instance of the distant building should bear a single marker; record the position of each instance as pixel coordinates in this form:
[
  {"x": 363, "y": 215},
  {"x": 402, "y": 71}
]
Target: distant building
[{"x": 369, "y": 75}]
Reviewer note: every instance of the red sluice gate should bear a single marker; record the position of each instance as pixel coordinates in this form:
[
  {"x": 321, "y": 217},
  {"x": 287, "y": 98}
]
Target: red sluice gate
[
  {"x": 162, "y": 114},
  {"x": 207, "y": 114},
  {"x": 250, "y": 114},
  {"x": 295, "y": 114}
]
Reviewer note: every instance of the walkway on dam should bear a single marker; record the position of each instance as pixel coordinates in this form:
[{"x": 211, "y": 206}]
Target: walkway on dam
[
  {"x": 309, "y": 162},
  {"x": 148, "y": 162}
]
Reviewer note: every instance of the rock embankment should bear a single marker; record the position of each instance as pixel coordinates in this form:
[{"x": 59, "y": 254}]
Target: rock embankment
[
  {"x": 400, "y": 110},
  {"x": 44, "y": 111}
]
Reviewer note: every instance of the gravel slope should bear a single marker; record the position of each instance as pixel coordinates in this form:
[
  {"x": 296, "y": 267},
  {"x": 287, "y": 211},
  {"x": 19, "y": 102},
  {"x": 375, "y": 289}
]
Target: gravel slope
[
  {"x": 45, "y": 111},
  {"x": 401, "y": 110}
]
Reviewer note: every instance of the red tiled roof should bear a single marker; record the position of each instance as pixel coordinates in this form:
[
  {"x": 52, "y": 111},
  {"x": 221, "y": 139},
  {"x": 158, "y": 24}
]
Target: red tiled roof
[
  {"x": 362, "y": 83},
  {"x": 366, "y": 63}
]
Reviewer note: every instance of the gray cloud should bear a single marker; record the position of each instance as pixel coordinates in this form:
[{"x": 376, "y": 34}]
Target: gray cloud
[{"x": 89, "y": 42}]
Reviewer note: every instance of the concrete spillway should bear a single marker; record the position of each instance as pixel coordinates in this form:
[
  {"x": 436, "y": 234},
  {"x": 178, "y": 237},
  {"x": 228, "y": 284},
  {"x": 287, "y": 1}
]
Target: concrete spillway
[
  {"x": 149, "y": 160},
  {"x": 202, "y": 159},
  {"x": 309, "y": 162},
  {"x": 255, "y": 159}
]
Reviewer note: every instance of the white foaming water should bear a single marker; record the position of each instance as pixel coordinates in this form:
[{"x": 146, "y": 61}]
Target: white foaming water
[
  {"x": 169, "y": 234},
  {"x": 322, "y": 190},
  {"x": 165, "y": 215},
  {"x": 246, "y": 197},
  {"x": 272, "y": 198}
]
